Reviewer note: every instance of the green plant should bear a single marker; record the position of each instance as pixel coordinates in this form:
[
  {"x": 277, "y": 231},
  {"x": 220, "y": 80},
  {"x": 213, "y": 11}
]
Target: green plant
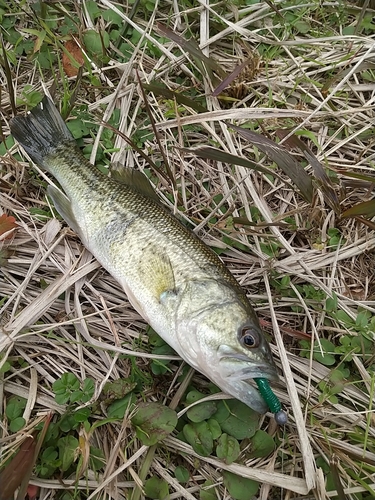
[{"x": 14, "y": 410}]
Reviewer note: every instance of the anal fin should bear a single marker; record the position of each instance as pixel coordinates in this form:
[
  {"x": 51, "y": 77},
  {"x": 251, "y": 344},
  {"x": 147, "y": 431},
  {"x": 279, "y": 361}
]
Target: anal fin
[{"x": 63, "y": 206}]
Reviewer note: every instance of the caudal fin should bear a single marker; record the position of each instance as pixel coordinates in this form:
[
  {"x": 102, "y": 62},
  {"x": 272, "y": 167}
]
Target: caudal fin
[{"x": 41, "y": 131}]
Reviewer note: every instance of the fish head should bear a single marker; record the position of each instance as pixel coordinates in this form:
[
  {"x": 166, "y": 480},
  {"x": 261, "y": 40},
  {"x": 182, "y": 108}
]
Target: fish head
[
  {"x": 226, "y": 343},
  {"x": 246, "y": 357}
]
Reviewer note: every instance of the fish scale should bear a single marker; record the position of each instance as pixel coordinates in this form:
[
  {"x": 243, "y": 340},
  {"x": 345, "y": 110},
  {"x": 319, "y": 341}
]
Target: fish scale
[{"x": 175, "y": 282}]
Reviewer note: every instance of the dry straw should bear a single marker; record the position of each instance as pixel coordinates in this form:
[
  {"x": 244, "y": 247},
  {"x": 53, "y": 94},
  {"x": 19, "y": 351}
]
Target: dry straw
[{"x": 62, "y": 313}]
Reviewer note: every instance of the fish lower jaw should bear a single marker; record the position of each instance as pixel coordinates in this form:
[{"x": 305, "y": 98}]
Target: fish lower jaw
[{"x": 246, "y": 392}]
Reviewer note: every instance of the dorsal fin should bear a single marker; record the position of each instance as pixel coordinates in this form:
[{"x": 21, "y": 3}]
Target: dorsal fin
[{"x": 133, "y": 178}]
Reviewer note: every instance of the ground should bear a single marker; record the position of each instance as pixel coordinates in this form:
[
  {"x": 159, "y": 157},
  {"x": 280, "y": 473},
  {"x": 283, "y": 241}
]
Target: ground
[{"x": 286, "y": 200}]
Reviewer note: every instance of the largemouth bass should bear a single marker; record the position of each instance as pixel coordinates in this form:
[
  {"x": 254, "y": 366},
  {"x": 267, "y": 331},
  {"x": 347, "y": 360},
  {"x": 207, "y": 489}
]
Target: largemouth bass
[{"x": 174, "y": 281}]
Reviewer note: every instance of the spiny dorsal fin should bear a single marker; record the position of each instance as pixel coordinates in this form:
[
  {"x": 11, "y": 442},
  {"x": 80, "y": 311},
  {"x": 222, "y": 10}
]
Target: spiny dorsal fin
[{"x": 133, "y": 178}]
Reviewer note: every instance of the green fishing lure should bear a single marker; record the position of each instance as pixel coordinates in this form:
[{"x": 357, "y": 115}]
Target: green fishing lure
[{"x": 272, "y": 400}]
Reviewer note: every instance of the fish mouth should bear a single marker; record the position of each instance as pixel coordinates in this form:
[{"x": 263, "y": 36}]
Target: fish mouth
[
  {"x": 241, "y": 367},
  {"x": 238, "y": 373}
]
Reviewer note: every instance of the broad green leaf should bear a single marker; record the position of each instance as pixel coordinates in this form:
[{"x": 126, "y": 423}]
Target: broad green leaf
[
  {"x": 88, "y": 389},
  {"x": 199, "y": 436},
  {"x": 95, "y": 42},
  {"x": 68, "y": 423},
  {"x": 68, "y": 446},
  {"x": 222, "y": 412},
  {"x": 344, "y": 317},
  {"x": 207, "y": 492},
  {"x": 181, "y": 474},
  {"x": 362, "y": 319},
  {"x": 17, "y": 424},
  {"x": 15, "y": 407},
  {"x": 240, "y": 488},
  {"x": 78, "y": 128},
  {"x": 92, "y": 9},
  {"x": 82, "y": 414},
  {"x": 112, "y": 17},
  {"x": 202, "y": 411},
  {"x": 121, "y": 406},
  {"x": 332, "y": 303},
  {"x": 193, "y": 397},
  {"x": 66, "y": 384},
  {"x": 153, "y": 422},
  {"x": 156, "y": 488},
  {"x": 324, "y": 354},
  {"x": 118, "y": 388},
  {"x": 97, "y": 458},
  {"x": 227, "y": 448},
  {"x": 214, "y": 427},
  {"x": 242, "y": 421},
  {"x": 262, "y": 444}
]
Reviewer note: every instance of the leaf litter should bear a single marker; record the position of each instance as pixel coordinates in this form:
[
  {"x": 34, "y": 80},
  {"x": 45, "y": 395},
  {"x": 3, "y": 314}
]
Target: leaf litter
[{"x": 61, "y": 313}]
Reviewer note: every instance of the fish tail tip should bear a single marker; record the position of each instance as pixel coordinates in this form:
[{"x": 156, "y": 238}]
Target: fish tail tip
[{"x": 40, "y": 131}]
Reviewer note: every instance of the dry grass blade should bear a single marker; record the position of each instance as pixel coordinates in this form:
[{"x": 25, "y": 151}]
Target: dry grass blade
[
  {"x": 194, "y": 50},
  {"x": 282, "y": 158},
  {"x": 282, "y": 481},
  {"x": 157, "y": 137},
  {"x": 324, "y": 182},
  {"x": 217, "y": 155},
  {"x": 230, "y": 78},
  {"x": 309, "y": 272},
  {"x": 9, "y": 79},
  {"x": 161, "y": 90}
]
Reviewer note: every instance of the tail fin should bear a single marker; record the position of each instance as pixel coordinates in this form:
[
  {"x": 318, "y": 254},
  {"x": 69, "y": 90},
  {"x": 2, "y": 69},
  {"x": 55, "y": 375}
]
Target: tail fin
[{"x": 41, "y": 131}]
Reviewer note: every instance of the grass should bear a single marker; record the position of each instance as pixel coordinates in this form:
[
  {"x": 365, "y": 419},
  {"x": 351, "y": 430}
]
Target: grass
[{"x": 77, "y": 360}]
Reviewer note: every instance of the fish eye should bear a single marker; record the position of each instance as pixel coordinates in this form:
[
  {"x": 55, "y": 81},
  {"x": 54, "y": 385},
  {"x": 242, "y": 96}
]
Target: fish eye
[{"x": 249, "y": 338}]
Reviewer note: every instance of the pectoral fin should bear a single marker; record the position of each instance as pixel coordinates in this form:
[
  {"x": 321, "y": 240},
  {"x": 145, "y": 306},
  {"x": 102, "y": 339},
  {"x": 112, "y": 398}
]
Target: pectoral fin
[
  {"x": 63, "y": 206},
  {"x": 157, "y": 272}
]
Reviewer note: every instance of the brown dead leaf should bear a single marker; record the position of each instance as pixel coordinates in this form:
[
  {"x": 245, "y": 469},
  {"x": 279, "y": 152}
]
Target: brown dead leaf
[
  {"x": 32, "y": 491},
  {"x": 282, "y": 158},
  {"x": 72, "y": 58},
  {"x": 13, "y": 474},
  {"x": 366, "y": 208},
  {"x": 322, "y": 179},
  {"x": 7, "y": 223}
]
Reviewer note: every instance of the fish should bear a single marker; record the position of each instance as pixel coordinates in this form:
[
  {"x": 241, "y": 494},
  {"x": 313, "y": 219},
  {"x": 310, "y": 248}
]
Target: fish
[{"x": 171, "y": 277}]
